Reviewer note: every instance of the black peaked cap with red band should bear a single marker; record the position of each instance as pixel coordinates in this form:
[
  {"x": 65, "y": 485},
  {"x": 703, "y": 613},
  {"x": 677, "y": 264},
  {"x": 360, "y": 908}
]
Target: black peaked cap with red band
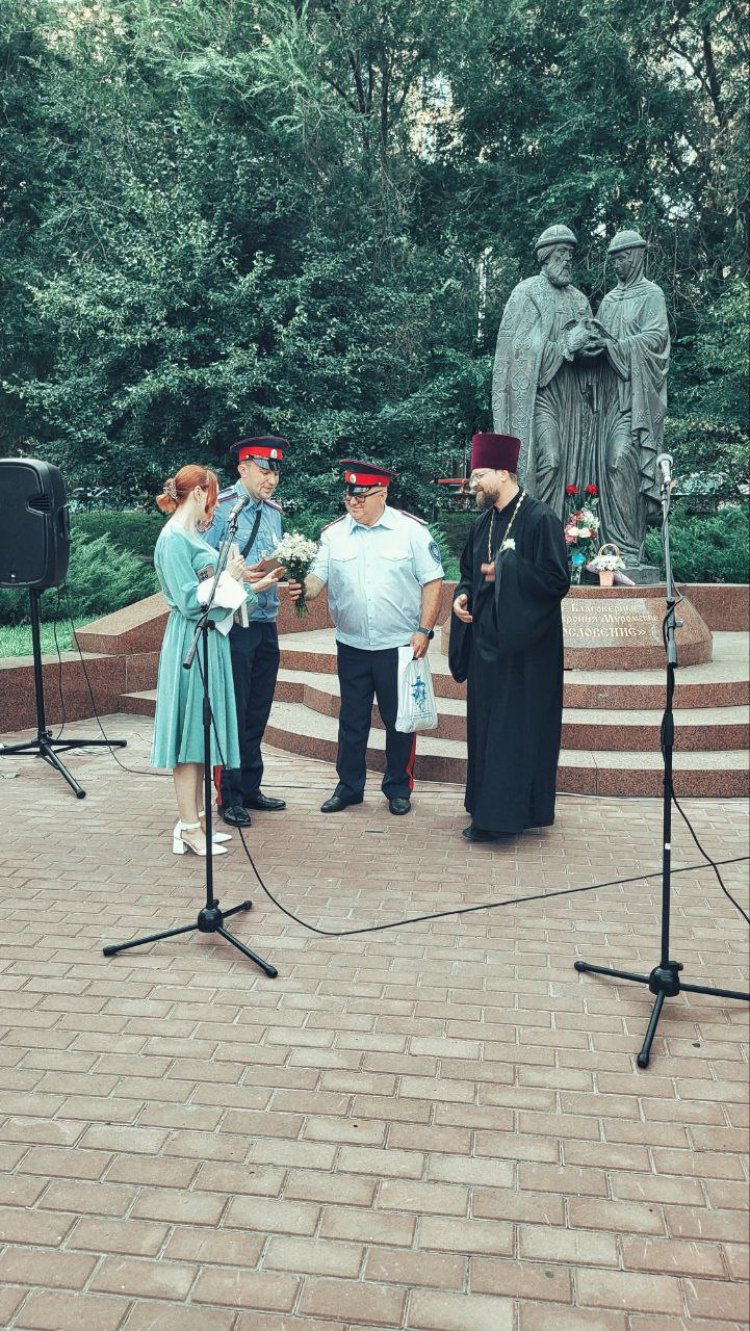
[
  {"x": 267, "y": 451},
  {"x": 359, "y": 476}
]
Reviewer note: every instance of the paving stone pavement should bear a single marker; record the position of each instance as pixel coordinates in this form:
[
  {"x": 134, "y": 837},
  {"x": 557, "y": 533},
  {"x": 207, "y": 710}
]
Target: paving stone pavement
[{"x": 439, "y": 1127}]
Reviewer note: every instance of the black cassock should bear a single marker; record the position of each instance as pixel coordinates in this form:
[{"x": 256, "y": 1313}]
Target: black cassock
[{"x": 512, "y": 655}]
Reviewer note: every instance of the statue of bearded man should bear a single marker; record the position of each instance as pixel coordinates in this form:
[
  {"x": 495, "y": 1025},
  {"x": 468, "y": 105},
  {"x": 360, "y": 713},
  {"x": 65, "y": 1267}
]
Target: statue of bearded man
[
  {"x": 541, "y": 377},
  {"x": 632, "y": 398}
]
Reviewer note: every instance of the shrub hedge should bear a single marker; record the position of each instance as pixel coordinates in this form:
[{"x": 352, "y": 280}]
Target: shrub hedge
[
  {"x": 709, "y": 548},
  {"x": 111, "y": 557},
  {"x": 134, "y": 530},
  {"x": 102, "y": 577}
]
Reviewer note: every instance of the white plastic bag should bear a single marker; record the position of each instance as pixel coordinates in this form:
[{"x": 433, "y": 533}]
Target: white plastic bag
[{"x": 417, "y": 709}]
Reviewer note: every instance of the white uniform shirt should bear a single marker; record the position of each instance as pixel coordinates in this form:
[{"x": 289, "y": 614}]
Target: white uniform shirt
[{"x": 374, "y": 576}]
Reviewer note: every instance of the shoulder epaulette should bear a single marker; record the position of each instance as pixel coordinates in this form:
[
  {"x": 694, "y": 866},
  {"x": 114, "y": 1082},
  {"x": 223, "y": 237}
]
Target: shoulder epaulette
[
  {"x": 226, "y": 495},
  {"x": 413, "y": 516},
  {"x": 271, "y": 503},
  {"x": 335, "y": 523}
]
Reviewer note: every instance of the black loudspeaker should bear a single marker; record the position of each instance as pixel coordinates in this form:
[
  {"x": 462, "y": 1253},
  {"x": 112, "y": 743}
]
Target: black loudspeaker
[{"x": 34, "y": 527}]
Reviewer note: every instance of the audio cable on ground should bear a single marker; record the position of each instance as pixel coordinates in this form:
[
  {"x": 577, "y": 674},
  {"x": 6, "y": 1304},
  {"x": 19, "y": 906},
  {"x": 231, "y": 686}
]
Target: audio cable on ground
[{"x": 437, "y": 915}]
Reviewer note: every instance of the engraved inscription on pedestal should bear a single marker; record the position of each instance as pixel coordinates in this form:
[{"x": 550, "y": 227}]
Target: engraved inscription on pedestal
[
  {"x": 604, "y": 630},
  {"x": 609, "y": 623}
]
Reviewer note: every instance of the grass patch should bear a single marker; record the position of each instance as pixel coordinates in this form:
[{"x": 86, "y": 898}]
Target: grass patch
[{"x": 15, "y": 639}]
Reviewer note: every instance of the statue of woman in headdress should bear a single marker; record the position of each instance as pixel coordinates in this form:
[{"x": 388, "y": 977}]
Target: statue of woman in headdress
[{"x": 632, "y": 398}]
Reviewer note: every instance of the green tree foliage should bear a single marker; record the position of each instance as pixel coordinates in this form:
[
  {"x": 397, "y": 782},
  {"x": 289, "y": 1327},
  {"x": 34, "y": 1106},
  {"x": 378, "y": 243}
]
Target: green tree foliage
[{"x": 219, "y": 219}]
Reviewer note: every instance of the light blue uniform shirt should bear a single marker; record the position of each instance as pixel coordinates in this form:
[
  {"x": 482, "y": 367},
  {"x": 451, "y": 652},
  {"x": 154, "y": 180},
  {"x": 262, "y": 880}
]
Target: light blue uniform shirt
[
  {"x": 268, "y": 536},
  {"x": 374, "y": 577}
]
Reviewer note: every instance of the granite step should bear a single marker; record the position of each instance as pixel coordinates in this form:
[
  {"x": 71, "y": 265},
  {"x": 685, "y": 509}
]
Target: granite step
[
  {"x": 722, "y": 682},
  {"x": 296, "y": 728},
  {"x": 722, "y": 773},
  {"x": 583, "y": 728},
  {"x": 139, "y": 704}
]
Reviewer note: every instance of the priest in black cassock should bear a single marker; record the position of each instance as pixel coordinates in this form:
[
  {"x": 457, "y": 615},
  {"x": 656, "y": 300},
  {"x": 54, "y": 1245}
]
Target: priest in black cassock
[{"x": 507, "y": 640}]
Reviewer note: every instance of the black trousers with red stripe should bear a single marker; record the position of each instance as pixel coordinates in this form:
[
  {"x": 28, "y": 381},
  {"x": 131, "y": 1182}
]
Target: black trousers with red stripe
[
  {"x": 255, "y": 666},
  {"x": 363, "y": 677}
]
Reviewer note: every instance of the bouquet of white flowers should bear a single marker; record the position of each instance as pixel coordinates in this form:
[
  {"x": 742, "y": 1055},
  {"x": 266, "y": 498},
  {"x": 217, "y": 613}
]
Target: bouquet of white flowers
[
  {"x": 605, "y": 563},
  {"x": 297, "y": 553}
]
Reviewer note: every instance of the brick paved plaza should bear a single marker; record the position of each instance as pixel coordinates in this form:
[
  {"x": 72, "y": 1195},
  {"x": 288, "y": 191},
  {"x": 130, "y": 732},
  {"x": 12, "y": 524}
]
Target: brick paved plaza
[{"x": 439, "y": 1127}]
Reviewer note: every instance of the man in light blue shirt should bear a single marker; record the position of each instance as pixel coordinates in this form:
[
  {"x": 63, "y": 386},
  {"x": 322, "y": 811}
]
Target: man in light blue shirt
[
  {"x": 383, "y": 573},
  {"x": 255, "y": 645}
]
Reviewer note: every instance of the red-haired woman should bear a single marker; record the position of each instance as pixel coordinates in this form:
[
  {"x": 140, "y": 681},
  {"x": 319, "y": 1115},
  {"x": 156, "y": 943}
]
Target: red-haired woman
[{"x": 182, "y": 559}]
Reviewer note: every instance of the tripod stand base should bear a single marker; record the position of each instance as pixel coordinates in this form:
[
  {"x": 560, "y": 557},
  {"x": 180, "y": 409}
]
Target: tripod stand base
[
  {"x": 210, "y": 921},
  {"x": 44, "y": 746},
  {"x": 664, "y": 982}
]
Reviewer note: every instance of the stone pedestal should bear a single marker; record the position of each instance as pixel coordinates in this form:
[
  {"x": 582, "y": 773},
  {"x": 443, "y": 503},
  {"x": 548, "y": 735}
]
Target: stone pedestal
[
  {"x": 645, "y": 575},
  {"x": 620, "y": 628}
]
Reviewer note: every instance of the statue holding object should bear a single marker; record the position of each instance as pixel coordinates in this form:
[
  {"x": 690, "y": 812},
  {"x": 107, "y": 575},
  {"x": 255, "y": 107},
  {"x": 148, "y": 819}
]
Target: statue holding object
[
  {"x": 587, "y": 396},
  {"x": 542, "y": 379}
]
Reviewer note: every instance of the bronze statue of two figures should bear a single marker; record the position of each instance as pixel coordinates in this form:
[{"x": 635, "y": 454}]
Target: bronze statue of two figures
[{"x": 587, "y": 396}]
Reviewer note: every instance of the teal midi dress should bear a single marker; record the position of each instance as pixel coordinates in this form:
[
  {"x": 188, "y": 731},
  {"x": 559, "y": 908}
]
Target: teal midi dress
[{"x": 178, "y": 726}]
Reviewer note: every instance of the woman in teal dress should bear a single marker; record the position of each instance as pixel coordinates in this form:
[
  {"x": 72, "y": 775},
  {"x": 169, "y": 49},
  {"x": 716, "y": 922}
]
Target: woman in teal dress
[{"x": 182, "y": 559}]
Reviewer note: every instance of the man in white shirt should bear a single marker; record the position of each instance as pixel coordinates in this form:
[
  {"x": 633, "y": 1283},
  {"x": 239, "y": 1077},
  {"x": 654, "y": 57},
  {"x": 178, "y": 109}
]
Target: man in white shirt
[{"x": 384, "y": 575}]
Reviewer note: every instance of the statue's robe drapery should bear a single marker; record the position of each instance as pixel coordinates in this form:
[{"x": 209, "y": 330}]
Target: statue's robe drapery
[
  {"x": 513, "y": 654},
  {"x": 632, "y": 406},
  {"x": 540, "y": 393}
]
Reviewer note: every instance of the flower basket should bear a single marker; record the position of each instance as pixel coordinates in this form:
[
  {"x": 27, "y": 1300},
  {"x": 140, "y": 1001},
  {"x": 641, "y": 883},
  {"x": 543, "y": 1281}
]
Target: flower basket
[{"x": 606, "y": 562}]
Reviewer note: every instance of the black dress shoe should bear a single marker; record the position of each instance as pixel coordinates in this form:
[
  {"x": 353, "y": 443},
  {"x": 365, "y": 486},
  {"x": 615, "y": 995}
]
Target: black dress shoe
[
  {"x": 399, "y": 805},
  {"x": 338, "y": 802},
  {"x": 235, "y": 815},
  {"x": 472, "y": 833},
  {"x": 264, "y": 802}
]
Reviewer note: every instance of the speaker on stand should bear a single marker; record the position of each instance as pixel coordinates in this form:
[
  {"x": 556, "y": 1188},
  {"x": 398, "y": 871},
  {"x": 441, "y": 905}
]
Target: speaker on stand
[{"x": 34, "y": 552}]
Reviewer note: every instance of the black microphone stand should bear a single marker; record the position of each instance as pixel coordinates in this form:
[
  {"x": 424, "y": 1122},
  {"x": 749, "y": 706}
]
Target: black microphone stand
[
  {"x": 211, "y": 918},
  {"x": 46, "y": 745},
  {"x": 664, "y": 980}
]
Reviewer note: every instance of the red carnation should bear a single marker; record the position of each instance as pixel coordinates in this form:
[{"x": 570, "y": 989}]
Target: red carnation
[
  {"x": 571, "y": 489},
  {"x": 591, "y": 490}
]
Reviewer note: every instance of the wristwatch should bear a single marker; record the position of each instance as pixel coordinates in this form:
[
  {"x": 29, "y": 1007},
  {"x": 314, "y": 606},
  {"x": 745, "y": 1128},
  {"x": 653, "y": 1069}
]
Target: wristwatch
[{"x": 429, "y": 633}]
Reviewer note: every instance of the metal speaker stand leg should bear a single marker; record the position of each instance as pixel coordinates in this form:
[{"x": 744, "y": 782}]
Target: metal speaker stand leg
[
  {"x": 44, "y": 745},
  {"x": 664, "y": 980},
  {"x": 211, "y": 918}
]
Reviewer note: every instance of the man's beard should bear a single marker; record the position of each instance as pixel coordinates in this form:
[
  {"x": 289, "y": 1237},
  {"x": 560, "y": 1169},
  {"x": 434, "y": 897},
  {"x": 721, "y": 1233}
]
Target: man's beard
[
  {"x": 559, "y": 272},
  {"x": 483, "y": 500}
]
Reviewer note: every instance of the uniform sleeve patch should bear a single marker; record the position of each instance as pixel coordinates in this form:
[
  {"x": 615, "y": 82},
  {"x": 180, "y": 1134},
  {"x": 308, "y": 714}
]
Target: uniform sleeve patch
[{"x": 434, "y": 550}]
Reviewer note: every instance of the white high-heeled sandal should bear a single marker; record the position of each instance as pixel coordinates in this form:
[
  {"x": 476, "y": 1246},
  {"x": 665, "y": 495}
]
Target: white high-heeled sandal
[
  {"x": 216, "y": 837},
  {"x": 180, "y": 843}
]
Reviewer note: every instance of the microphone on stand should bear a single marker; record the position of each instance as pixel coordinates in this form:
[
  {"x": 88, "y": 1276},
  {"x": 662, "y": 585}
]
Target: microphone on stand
[
  {"x": 664, "y": 465},
  {"x": 243, "y": 502}
]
